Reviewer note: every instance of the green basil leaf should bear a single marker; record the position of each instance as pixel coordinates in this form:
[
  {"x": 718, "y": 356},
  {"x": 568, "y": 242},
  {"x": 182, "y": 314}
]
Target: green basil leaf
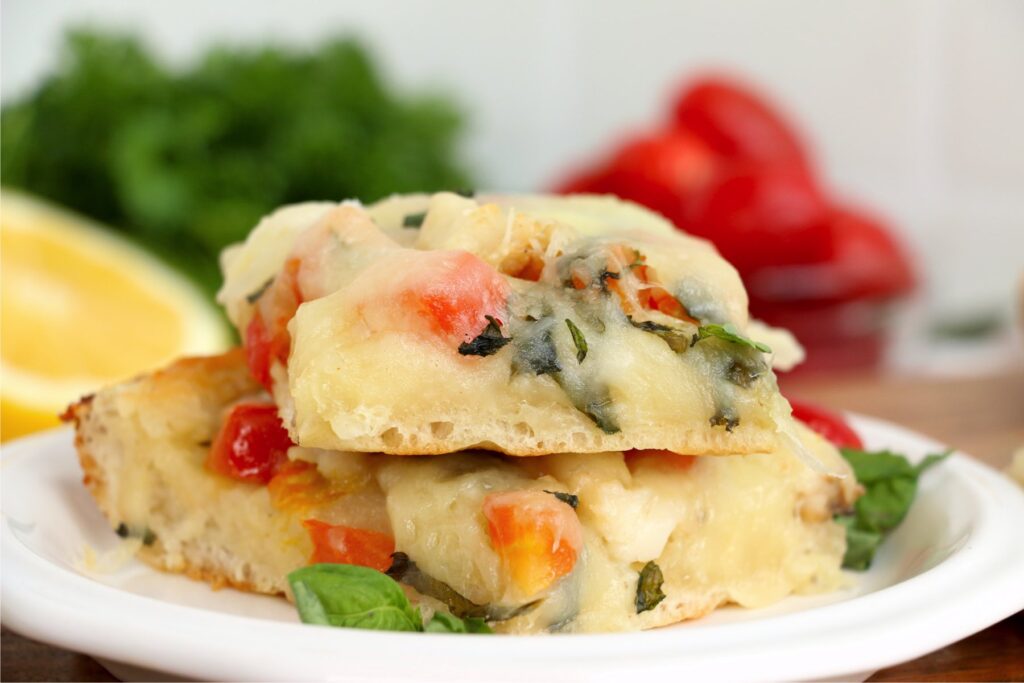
[
  {"x": 578, "y": 340},
  {"x": 648, "y": 587},
  {"x": 353, "y": 597},
  {"x": 414, "y": 220},
  {"x": 442, "y": 622},
  {"x": 570, "y": 499},
  {"x": 860, "y": 545},
  {"x": 730, "y": 334},
  {"x": 488, "y": 342},
  {"x": 890, "y": 485}
]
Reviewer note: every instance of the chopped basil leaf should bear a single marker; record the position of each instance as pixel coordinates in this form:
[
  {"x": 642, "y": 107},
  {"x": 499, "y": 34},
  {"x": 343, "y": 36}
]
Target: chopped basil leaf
[
  {"x": 729, "y": 334},
  {"x": 403, "y": 569},
  {"x": 538, "y": 355},
  {"x": 677, "y": 340},
  {"x": 254, "y": 296},
  {"x": 468, "y": 193},
  {"x": 414, "y": 220},
  {"x": 890, "y": 484},
  {"x": 569, "y": 499},
  {"x": 442, "y": 622},
  {"x": 725, "y": 419},
  {"x": 743, "y": 372},
  {"x": 578, "y": 340},
  {"x": 146, "y": 534},
  {"x": 487, "y": 342},
  {"x": 352, "y": 597},
  {"x": 648, "y": 588},
  {"x": 599, "y": 410}
]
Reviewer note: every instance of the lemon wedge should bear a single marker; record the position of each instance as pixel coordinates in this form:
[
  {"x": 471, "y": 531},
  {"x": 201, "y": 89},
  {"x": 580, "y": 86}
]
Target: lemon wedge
[{"x": 82, "y": 308}]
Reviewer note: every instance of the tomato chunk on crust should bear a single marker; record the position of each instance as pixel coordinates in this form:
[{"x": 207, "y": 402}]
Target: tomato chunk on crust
[
  {"x": 537, "y": 536},
  {"x": 347, "y": 545}
]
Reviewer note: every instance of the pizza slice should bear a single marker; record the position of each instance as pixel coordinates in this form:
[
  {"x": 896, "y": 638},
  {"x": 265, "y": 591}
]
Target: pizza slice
[
  {"x": 192, "y": 465},
  {"x": 522, "y": 324}
]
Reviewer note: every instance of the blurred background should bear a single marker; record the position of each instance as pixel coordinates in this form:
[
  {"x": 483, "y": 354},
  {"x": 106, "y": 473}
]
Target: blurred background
[{"x": 861, "y": 163}]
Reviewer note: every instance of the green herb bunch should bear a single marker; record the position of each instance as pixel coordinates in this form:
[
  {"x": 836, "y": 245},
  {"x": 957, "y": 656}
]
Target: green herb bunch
[{"x": 186, "y": 161}]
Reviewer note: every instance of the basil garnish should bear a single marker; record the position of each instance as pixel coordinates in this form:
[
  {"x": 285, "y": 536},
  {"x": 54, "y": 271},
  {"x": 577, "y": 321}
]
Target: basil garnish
[
  {"x": 890, "y": 484},
  {"x": 570, "y": 499},
  {"x": 350, "y": 596},
  {"x": 648, "y": 587},
  {"x": 254, "y": 296},
  {"x": 677, "y": 340},
  {"x": 486, "y": 343},
  {"x": 414, "y": 220},
  {"x": 578, "y": 340}
]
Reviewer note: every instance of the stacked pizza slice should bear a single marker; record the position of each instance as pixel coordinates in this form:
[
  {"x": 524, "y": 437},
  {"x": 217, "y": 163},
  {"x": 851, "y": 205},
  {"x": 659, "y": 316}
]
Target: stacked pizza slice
[{"x": 550, "y": 413}]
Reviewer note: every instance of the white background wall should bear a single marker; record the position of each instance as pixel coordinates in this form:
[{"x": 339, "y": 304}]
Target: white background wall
[{"x": 915, "y": 107}]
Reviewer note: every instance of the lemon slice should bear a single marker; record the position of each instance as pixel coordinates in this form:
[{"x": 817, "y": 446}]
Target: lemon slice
[{"x": 82, "y": 308}]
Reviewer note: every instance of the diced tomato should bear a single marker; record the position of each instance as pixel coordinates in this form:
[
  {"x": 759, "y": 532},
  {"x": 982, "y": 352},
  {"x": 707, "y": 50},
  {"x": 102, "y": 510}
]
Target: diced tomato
[
  {"x": 676, "y": 461},
  {"x": 830, "y": 425},
  {"x": 251, "y": 444},
  {"x": 456, "y": 293},
  {"x": 266, "y": 338},
  {"x": 650, "y": 296},
  {"x": 737, "y": 123},
  {"x": 263, "y": 347},
  {"x": 346, "y": 545},
  {"x": 537, "y": 536}
]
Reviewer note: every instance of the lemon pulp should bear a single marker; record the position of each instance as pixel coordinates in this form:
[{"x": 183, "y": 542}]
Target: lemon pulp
[{"x": 82, "y": 308}]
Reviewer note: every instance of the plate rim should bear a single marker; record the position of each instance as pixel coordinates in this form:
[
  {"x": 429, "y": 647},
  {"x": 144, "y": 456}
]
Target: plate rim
[{"x": 45, "y": 601}]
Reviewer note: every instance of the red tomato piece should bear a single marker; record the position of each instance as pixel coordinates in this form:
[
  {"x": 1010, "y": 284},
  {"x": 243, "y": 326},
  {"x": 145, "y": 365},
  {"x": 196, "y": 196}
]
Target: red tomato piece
[
  {"x": 759, "y": 216},
  {"x": 537, "y": 536},
  {"x": 826, "y": 423},
  {"x": 456, "y": 293},
  {"x": 263, "y": 347},
  {"x": 738, "y": 123},
  {"x": 346, "y": 545},
  {"x": 251, "y": 444}
]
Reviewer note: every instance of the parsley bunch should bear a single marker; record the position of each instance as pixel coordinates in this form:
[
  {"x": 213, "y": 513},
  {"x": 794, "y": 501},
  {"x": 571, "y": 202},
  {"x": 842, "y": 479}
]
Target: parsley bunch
[{"x": 186, "y": 161}]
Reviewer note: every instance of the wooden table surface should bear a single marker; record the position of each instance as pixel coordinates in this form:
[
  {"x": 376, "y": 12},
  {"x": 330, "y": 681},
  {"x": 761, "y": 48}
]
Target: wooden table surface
[{"x": 983, "y": 417}]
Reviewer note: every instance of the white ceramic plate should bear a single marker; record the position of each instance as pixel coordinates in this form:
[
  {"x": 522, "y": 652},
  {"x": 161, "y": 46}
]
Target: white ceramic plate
[{"x": 954, "y": 567}]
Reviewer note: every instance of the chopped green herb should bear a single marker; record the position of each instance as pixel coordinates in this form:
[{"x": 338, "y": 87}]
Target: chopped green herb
[
  {"x": 414, "y": 220},
  {"x": 442, "y": 622},
  {"x": 729, "y": 333},
  {"x": 677, "y": 340},
  {"x": 469, "y": 193},
  {"x": 744, "y": 372},
  {"x": 569, "y": 499},
  {"x": 146, "y": 534},
  {"x": 254, "y": 296},
  {"x": 890, "y": 484},
  {"x": 599, "y": 410},
  {"x": 648, "y": 587},
  {"x": 487, "y": 343},
  {"x": 359, "y": 597},
  {"x": 403, "y": 569},
  {"x": 724, "y": 419},
  {"x": 537, "y": 354},
  {"x": 578, "y": 339}
]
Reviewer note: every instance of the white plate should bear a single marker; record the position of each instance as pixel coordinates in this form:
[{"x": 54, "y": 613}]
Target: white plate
[{"x": 954, "y": 567}]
